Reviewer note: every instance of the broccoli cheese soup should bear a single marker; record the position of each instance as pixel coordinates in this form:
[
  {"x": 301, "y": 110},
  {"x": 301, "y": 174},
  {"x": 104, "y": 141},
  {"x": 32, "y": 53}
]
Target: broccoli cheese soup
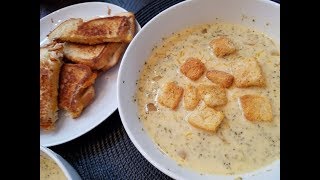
[{"x": 209, "y": 97}]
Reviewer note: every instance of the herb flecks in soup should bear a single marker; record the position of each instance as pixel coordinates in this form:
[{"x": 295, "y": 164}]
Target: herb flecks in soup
[
  {"x": 50, "y": 170},
  {"x": 212, "y": 98}
]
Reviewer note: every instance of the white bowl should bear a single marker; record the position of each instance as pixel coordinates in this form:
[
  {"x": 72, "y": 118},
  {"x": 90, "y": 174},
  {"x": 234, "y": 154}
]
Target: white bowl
[
  {"x": 66, "y": 168},
  {"x": 266, "y": 15}
]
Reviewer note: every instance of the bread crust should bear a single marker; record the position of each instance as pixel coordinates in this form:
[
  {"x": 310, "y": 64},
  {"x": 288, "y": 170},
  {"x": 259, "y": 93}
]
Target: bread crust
[
  {"x": 50, "y": 64},
  {"x": 76, "y": 88},
  {"x": 97, "y": 57},
  {"x": 118, "y": 28}
]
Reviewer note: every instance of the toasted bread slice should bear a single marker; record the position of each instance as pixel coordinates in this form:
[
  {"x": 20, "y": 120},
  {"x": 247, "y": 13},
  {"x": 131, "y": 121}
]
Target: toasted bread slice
[
  {"x": 50, "y": 64},
  {"x": 221, "y": 78},
  {"x": 248, "y": 73},
  {"x": 97, "y": 57},
  {"x": 256, "y": 108},
  {"x": 191, "y": 98},
  {"x": 213, "y": 95},
  {"x": 118, "y": 28},
  {"x": 171, "y": 95},
  {"x": 115, "y": 58},
  {"x": 76, "y": 88},
  {"x": 206, "y": 119},
  {"x": 193, "y": 68}
]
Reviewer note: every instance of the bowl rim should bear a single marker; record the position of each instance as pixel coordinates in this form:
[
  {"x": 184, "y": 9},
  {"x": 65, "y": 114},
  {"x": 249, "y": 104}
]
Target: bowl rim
[
  {"x": 121, "y": 113},
  {"x": 53, "y": 157}
]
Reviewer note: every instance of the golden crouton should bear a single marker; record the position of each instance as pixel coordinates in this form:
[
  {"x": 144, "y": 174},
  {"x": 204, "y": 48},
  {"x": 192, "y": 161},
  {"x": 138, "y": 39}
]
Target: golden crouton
[
  {"x": 247, "y": 73},
  {"x": 222, "y": 46},
  {"x": 256, "y": 108},
  {"x": 191, "y": 98},
  {"x": 206, "y": 119},
  {"x": 213, "y": 95},
  {"x": 219, "y": 77},
  {"x": 193, "y": 68},
  {"x": 171, "y": 95}
]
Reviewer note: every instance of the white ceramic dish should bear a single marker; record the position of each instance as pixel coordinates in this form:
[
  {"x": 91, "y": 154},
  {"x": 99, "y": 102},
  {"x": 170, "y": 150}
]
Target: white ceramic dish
[
  {"x": 66, "y": 168},
  {"x": 266, "y": 15},
  {"x": 105, "y": 102}
]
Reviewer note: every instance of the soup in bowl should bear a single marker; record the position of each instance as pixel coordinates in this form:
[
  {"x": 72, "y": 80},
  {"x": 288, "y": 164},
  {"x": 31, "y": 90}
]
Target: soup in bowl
[
  {"x": 53, "y": 166},
  {"x": 199, "y": 90}
]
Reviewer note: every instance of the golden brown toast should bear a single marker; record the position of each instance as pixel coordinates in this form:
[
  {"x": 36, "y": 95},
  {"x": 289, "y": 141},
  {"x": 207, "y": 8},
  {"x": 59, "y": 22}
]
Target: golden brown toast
[
  {"x": 50, "y": 64},
  {"x": 76, "y": 88},
  {"x": 97, "y": 57},
  {"x": 118, "y": 28},
  {"x": 114, "y": 59}
]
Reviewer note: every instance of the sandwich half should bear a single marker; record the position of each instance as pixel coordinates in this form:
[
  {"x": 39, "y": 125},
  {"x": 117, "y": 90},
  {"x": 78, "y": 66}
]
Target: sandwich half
[
  {"x": 118, "y": 28},
  {"x": 50, "y": 63},
  {"x": 99, "y": 57},
  {"x": 76, "y": 88}
]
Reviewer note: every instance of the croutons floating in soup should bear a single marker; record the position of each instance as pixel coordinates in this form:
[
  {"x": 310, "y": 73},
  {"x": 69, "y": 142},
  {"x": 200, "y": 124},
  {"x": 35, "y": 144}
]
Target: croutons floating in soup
[{"x": 209, "y": 97}]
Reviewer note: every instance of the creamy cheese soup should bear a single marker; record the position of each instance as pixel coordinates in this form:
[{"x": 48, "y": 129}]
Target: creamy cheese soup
[
  {"x": 238, "y": 145},
  {"x": 49, "y": 169}
]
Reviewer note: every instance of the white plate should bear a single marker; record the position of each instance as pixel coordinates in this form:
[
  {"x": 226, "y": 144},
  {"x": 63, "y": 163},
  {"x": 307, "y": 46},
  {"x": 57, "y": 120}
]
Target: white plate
[
  {"x": 188, "y": 13},
  {"x": 105, "y": 102}
]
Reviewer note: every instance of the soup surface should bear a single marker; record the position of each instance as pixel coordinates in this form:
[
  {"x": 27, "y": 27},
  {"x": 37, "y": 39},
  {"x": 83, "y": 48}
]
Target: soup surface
[
  {"x": 238, "y": 145},
  {"x": 49, "y": 169}
]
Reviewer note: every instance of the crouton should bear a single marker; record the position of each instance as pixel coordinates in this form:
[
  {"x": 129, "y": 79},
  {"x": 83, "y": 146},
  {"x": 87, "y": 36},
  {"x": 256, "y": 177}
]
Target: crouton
[
  {"x": 256, "y": 108},
  {"x": 171, "y": 95},
  {"x": 222, "y": 46},
  {"x": 213, "y": 95},
  {"x": 150, "y": 107},
  {"x": 221, "y": 78},
  {"x": 206, "y": 119},
  {"x": 193, "y": 68},
  {"x": 190, "y": 98},
  {"x": 247, "y": 73}
]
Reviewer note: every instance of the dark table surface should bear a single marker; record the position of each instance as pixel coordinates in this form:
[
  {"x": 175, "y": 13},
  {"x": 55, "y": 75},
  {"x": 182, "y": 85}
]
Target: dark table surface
[
  {"x": 48, "y": 6},
  {"x": 106, "y": 152}
]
